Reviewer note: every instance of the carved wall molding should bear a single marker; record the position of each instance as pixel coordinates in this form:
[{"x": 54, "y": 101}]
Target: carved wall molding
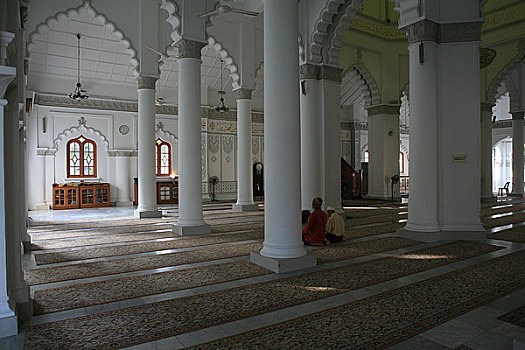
[
  {"x": 243, "y": 94},
  {"x": 309, "y": 71},
  {"x": 81, "y": 128},
  {"x": 504, "y": 17},
  {"x": 426, "y": 30},
  {"x": 146, "y": 82},
  {"x": 189, "y": 48},
  {"x": 330, "y": 73},
  {"x": 383, "y": 109},
  {"x": 227, "y": 144},
  {"x": 499, "y": 124},
  {"x": 161, "y": 132},
  {"x": 122, "y": 153},
  {"x": 46, "y": 151},
  {"x": 213, "y": 143},
  {"x": 41, "y": 28}
]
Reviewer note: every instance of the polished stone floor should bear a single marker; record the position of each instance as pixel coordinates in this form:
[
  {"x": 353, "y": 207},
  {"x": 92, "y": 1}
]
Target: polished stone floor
[{"x": 477, "y": 329}]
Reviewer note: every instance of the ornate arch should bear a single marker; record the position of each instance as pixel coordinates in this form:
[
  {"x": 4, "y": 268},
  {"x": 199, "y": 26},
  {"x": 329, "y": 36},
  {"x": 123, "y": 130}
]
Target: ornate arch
[
  {"x": 505, "y": 76},
  {"x": 359, "y": 83},
  {"x": 173, "y": 18},
  {"x": 329, "y": 30},
  {"x": 80, "y": 128},
  {"x": 228, "y": 59},
  {"x": 75, "y": 11},
  {"x": 160, "y": 132}
]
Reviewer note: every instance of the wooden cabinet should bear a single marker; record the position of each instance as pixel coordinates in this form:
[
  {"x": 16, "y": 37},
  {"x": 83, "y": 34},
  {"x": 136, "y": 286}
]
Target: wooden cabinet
[
  {"x": 81, "y": 195},
  {"x": 167, "y": 192}
]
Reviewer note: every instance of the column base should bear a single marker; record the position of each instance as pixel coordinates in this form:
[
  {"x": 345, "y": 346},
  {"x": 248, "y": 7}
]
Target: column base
[
  {"x": 145, "y": 214},
  {"x": 280, "y": 265},
  {"x": 441, "y": 235},
  {"x": 124, "y": 204},
  {"x": 422, "y": 227},
  {"x": 188, "y": 231},
  {"x": 245, "y": 207},
  {"x": 8, "y": 325}
]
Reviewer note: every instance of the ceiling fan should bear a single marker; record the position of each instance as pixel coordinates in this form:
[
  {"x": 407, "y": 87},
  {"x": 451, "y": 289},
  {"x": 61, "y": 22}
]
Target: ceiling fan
[{"x": 228, "y": 9}]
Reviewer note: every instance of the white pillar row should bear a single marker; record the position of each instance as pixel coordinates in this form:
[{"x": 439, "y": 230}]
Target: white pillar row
[
  {"x": 486, "y": 151},
  {"x": 122, "y": 177},
  {"x": 244, "y": 152},
  {"x": 8, "y": 319},
  {"x": 445, "y": 170},
  {"x": 383, "y": 148},
  {"x": 311, "y": 141},
  {"x": 147, "y": 196},
  {"x": 330, "y": 85},
  {"x": 283, "y": 248},
  {"x": 517, "y": 154},
  {"x": 191, "y": 221}
]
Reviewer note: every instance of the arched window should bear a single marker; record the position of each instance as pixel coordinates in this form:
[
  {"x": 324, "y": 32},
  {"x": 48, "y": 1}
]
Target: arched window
[
  {"x": 401, "y": 162},
  {"x": 81, "y": 158},
  {"x": 162, "y": 158},
  {"x": 367, "y": 157}
]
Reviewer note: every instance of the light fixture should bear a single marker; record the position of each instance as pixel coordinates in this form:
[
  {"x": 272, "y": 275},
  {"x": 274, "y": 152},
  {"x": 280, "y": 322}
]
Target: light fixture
[
  {"x": 78, "y": 94},
  {"x": 221, "y": 107}
]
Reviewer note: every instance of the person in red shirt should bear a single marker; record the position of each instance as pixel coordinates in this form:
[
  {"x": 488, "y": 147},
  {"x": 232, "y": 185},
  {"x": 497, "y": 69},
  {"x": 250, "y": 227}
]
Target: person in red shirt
[{"x": 314, "y": 233}]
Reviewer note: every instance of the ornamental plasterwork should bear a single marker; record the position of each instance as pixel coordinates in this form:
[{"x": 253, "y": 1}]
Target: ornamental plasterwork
[
  {"x": 255, "y": 145},
  {"x": 204, "y": 163},
  {"x": 189, "y": 48},
  {"x": 504, "y": 17},
  {"x": 309, "y": 71},
  {"x": 122, "y": 153},
  {"x": 502, "y": 124},
  {"x": 46, "y": 151},
  {"x": 225, "y": 126},
  {"x": 82, "y": 128},
  {"x": 93, "y": 103},
  {"x": 377, "y": 28},
  {"x": 257, "y": 128},
  {"x": 243, "y": 94},
  {"x": 165, "y": 133},
  {"x": 227, "y": 144},
  {"x": 426, "y": 30},
  {"x": 213, "y": 143},
  {"x": 145, "y": 82}
]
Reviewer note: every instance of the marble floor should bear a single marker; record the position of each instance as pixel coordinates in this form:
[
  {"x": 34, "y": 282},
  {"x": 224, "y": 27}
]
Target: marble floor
[{"x": 479, "y": 328}]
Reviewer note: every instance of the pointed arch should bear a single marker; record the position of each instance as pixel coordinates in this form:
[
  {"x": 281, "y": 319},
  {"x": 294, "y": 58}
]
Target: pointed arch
[
  {"x": 504, "y": 76},
  {"x": 86, "y": 6}
]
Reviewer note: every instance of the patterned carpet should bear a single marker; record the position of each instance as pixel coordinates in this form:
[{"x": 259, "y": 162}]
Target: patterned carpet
[
  {"x": 504, "y": 220},
  {"x": 390, "y": 317},
  {"x": 125, "y": 327},
  {"x": 90, "y": 253},
  {"x": 516, "y": 234},
  {"x": 516, "y": 317}
]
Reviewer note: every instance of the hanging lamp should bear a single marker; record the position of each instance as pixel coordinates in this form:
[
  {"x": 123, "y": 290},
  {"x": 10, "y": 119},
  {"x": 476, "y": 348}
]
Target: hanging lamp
[
  {"x": 78, "y": 94},
  {"x": 221, "y": 108}
]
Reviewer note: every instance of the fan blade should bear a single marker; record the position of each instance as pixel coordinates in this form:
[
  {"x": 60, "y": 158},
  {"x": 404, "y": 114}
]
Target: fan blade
[
  {"x": 245, "y": 12},
  {"x": 157, "y": 52},
  {"x": 214, "y": 12}
]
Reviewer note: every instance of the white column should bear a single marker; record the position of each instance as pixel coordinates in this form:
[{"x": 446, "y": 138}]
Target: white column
[
  {"x": 311, "y": 141},
  {"x": 8, "y": 319},
  {"x": 122, "y": 177},
  {"x": 283, "y": 249},
  {"x": 383, "y": 148},
  {"x": 244, "y": 152},
  {"x": 423, "y": 202},
  {"x": 486, "y": 152},
  {"x": 147, "y": 206},
  {"x": 330, "y": 85},
  {"x": 517, "y": 154},
  {"x": 191, "y": 221}
]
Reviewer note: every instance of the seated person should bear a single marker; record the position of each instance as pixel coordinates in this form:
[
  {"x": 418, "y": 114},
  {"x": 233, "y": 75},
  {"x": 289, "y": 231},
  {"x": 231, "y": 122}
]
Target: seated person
[
  {"x": 335, "y": 227},
  {"x": 314, "y": 233}
]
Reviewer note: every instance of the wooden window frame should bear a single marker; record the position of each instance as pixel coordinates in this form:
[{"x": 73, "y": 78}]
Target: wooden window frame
[
  {"x": 81, "y": 158},
  {"x": 402, "y": 163},
  {"x": 159, "y": 157}
]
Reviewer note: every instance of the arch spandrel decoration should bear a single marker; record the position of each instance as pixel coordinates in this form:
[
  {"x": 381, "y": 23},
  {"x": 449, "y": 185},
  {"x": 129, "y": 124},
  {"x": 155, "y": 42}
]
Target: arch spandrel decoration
[
  {"x": 83, "y": 129},
  {"x": 44, "y": 27},
  {"x": 505, "y": 76}
]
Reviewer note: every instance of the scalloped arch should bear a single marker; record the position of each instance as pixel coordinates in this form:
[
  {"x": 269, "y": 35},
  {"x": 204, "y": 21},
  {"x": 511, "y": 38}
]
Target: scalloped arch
[
  {"x": 167, "y": 134},
  {"x": 329, "y": 29},
  {"x": 82, "y": 129},
  {"x": 86, "y": 5},
  {"x": 173, "y": 19},
  {"x": 360, "y": 81},
  {"x": 505, "y": 76},
  {"x": 228, "y": 59}
]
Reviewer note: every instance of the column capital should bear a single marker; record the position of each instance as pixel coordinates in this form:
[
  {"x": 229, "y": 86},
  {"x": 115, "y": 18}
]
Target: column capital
[
  {"x": 330, "y": 73},
  {"x": 517, "y": 115},
  {"x": 486, "y": 106},
  {"x": 243, "y": 94},
  {"x": 383, "y": 109},
  {"x": 426, "y": 30},
  {"x": 189, "y": 48},
  {"x": 146, "y": 82},
  {"x": 308, "y": 71}
]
